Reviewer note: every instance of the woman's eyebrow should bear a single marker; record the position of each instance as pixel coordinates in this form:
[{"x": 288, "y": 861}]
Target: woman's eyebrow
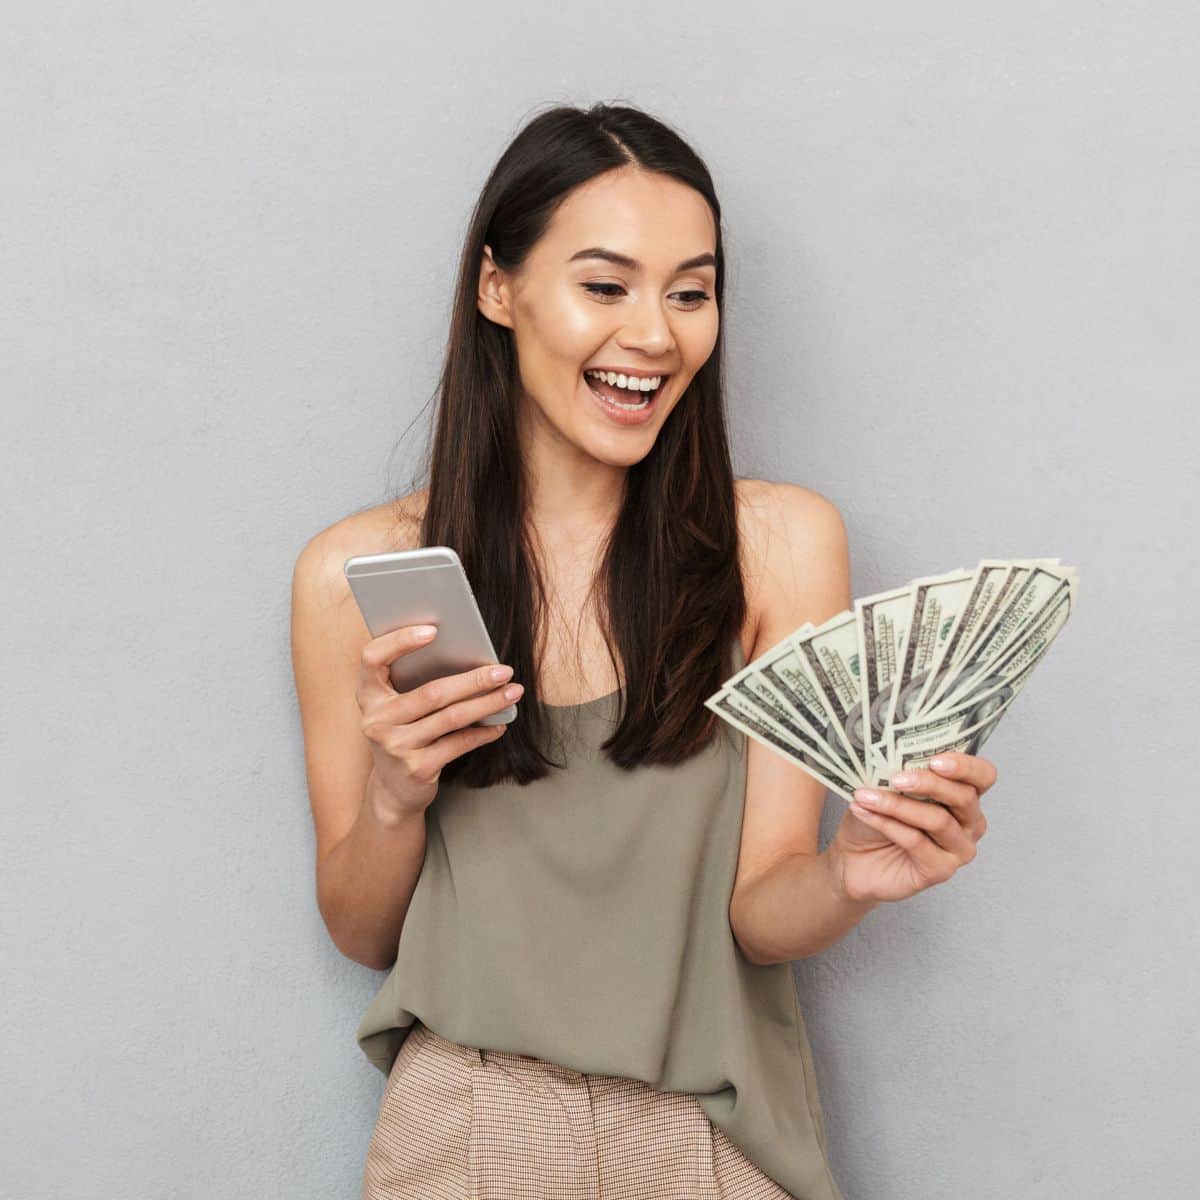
[{"x": 632, "y": 264}]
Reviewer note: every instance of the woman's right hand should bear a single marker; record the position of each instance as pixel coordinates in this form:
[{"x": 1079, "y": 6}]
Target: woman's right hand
[{"x": 414, "y": 734}]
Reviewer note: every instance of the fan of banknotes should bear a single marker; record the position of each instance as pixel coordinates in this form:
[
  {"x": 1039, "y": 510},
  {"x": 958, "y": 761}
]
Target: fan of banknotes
[{"x": 924, "y": 669}]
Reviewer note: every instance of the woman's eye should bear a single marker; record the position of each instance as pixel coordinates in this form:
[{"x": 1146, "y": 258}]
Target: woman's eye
[{"x": 597, "y": 289}]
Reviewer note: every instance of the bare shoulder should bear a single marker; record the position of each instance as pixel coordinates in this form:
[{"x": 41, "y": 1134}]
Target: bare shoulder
[
  {"x": 394, "y": 525},
  {"x": 795, "y": 556},
  {"x": 774, "y": 515},
  {"x": 324, "y": 613},
  {"x": 766, "y": 506}
]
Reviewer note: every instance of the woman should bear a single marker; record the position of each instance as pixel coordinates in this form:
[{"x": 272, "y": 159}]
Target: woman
[{"x": 588, "y": 914}]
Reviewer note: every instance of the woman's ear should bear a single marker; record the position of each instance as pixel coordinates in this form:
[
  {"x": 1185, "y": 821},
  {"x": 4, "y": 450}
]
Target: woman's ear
[{"x": 493, "y": 299}]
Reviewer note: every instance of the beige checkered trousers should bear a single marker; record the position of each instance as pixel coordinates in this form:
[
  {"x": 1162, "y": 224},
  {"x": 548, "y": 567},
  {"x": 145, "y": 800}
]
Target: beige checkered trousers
[{"x": 475, "y": 1124}]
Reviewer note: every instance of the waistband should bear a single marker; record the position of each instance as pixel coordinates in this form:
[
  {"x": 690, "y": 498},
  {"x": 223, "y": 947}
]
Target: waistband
[{"x": 477, "y": 1055}]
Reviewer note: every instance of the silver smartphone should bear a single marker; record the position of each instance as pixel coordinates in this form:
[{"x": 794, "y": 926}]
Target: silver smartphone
[{"x": 425, "y": 587}]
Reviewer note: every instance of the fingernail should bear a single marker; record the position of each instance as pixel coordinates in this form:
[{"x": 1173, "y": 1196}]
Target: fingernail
[
  {"x": 499, "y": 673},
  {"x": 511, "y": 693},
  {"x": 903, "y": 779},
  {"x": 942, "y": 764},
  {"x": 869, "y": 798},
  {"x": 424, "y": 631}
]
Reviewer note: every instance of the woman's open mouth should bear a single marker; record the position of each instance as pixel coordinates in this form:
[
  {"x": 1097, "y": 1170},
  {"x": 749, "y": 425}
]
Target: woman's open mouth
[{"x": 622, "y": 405}]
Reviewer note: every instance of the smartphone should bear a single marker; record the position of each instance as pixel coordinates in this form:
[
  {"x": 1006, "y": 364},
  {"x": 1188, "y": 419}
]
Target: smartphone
[{"x": 427, "y": 586}]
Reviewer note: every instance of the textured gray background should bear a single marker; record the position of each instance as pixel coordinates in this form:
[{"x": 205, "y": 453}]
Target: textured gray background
[{"x": 962, "y": 303}]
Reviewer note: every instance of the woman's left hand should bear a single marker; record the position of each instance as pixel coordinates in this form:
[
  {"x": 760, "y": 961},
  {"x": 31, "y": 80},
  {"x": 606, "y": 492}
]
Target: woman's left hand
[{"x": 900, "y": 846}]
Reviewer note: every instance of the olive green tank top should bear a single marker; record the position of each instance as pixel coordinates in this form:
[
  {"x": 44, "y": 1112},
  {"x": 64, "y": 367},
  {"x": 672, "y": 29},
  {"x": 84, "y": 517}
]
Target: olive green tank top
[{"x": 583, "y": 919}]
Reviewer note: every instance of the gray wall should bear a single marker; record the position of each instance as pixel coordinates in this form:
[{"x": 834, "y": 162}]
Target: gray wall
[{"x": 963, "y": 290}]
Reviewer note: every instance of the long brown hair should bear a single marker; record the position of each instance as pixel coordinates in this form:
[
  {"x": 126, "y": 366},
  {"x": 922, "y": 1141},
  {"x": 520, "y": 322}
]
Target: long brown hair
[{"x": 669, "y": 574}]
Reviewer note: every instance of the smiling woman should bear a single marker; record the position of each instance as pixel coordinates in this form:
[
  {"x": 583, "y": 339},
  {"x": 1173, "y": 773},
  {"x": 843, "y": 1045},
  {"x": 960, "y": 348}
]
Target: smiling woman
[
  {"x": 576, "y": 309},
  {"x": 568, "y": 1010}
]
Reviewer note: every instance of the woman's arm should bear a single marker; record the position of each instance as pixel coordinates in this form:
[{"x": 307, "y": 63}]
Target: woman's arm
[
  {"x": 796, "y": 908},
  {"x": 367, "y": 863},
  {"x": 786, "y": 902},
  {"x": 789, "y": 901},
  {"x": 365, "y": 883}
]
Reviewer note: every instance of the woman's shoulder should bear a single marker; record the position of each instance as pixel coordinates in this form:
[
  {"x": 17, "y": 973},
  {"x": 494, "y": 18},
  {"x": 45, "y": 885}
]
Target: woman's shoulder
[
  {"x": 765, "y": 497},
  {"x": 767, "y": 509},
  {"x": 789, "y": 535},
  {"x": 393, "y": 525}
]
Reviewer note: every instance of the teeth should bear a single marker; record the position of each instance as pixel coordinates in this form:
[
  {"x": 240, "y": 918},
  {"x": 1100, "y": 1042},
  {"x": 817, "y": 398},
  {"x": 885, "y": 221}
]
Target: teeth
[{"x": 629, "y": 382}]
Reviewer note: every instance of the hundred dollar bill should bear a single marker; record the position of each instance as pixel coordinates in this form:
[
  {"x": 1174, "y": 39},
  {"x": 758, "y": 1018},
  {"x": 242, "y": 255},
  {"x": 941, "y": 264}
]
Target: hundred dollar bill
[
  {"x": 952, "y": 738},
  {"x": 986, "y": 581},
  {"x": 904, "y": 674},
  {"x": 752, "y": 685},
  {"x": 998, "y": 581},
  {"x": 829, "y": 654},
  {"x": 784, "y": 672},
  {"x": 1024, "y": 650},
  {"x": 914, "y": 743},
  {"x": 935, "y": 604},
  {"x": 1040, "y": 586},
  {"x": 881, "y": 629},
  {"x": 740, "y": 713}
]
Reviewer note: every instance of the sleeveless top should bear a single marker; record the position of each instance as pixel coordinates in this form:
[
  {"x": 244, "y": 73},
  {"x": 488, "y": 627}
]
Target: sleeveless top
[{"x": 583, "y": 919}]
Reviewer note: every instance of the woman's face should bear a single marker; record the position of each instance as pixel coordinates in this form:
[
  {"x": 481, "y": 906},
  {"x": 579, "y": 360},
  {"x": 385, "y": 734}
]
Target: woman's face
[{"x": 572, "y": 311}]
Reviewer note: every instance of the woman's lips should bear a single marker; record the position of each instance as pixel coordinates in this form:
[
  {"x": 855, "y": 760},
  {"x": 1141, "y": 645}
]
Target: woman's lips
[{"x": 625, "y": 416}]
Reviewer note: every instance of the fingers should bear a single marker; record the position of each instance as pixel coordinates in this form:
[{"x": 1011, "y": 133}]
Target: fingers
[
  {"x": 979, "y": 772},
  {"x": 929, "y": 826},
  {"x": 962, "y": 797},
  {"x": 443, "y": 734},
  {"x": 941, "y": 836},
  {"x": 447, "y": 704},
  {"x": 409, "y": 720},
  {"x": 374, "y": 679},
  {"x": 447, "y": 693},
  {"x": 924, "y": 785},
  {"x": 924, "y": 845},
  {"x": 452, "y": 745}
]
